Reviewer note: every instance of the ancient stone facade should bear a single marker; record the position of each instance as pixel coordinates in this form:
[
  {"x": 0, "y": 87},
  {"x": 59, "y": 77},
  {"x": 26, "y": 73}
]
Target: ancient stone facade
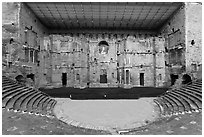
[
  {"x": 23, "y": 35},
  {"x": 183, "y": 47},
  {"x": 105, "y": 60},
  {"x": 100, "y": 59}
]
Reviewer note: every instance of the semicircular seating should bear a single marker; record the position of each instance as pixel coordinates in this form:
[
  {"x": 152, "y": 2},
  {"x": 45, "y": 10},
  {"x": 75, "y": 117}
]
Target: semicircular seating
[
  {"x": 182, "y": 100},
  {"x": 25, "y": 99}
]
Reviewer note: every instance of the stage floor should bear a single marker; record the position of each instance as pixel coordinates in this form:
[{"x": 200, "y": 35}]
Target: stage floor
[{"x": 106, "y": 114}]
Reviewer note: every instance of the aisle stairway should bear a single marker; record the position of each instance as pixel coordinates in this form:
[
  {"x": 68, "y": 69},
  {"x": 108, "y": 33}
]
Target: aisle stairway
[
  {"x": 24, "y": 99},
  {"x": 182, "y": 100}
]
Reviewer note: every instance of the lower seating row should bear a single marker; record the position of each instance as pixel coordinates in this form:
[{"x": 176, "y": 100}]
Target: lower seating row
[
  {"x": 182, "y": 100},
  {"x": 18, "y": 97}
]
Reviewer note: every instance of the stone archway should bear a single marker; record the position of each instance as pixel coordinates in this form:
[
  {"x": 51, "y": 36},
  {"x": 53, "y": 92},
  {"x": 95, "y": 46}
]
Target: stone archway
[
  {"x": 20, "y": 79},
  {"x": 186, "y": 79}
]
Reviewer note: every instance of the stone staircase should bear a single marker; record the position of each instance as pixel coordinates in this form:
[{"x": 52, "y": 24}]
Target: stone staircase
[
  {"x": 183, "y": 100},
  {"x": 23, "y": 99}
]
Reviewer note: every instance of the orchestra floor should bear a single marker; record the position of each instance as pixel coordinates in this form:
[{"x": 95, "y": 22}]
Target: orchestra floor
[{"x": 106, "y": 114}]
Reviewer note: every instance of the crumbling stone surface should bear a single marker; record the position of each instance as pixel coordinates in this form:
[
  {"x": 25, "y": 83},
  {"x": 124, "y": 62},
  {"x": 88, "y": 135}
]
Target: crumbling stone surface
[
  {"x": 175, "y": 50},
  {"x": 194, "y": 38},
  {"x": 121, "y": 61}
]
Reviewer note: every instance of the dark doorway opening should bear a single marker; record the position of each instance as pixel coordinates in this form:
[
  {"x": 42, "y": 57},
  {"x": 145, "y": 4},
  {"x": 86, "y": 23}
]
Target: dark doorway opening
[
  {"x": 186, "y": 79},
  {"x": 127, "y": 77},
  {"x": 103, "y": 78},
  {"x": 142, "y": 79},
  {"x": 20, "y": 79},
  {"x": 173, "y": 79},
  {"x": 31, "y": 76},
  {"x": 64, "y": 79}
]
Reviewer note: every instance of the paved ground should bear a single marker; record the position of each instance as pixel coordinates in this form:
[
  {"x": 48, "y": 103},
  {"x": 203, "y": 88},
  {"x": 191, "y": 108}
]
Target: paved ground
[
  {"x": 107, "y": 114},
  {"x": 25, "y": 124},
  {"x": 188, "y": 124}
]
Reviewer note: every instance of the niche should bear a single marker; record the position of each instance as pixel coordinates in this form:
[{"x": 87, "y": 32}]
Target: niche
[{"x": 103, "y": 47}]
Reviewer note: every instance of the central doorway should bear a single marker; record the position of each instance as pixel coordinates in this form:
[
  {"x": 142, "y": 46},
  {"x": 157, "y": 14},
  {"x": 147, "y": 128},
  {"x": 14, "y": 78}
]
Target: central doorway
[
  {"x": 103, "y": 78},
  {"x": 64, "y": 79},
  {"x": 142, "y": 79}
]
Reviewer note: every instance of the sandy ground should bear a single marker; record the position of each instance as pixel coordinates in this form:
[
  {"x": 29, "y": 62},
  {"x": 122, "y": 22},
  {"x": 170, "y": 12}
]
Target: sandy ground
[{"x": 110, "y": 114}]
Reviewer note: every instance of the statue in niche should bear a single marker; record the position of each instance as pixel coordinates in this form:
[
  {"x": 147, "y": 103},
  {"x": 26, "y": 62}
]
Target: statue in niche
[{"x": 103, "y": 47}]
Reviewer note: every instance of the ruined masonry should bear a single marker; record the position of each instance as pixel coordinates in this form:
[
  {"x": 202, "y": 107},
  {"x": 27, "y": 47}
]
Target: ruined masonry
[{"x": 80, "y": 60}]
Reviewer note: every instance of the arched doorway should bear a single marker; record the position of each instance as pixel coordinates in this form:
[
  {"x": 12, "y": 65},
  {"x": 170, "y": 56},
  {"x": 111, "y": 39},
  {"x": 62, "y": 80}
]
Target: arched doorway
[
  {"x": 186, "y": 79},
  {"x": 20, "y": 79}
]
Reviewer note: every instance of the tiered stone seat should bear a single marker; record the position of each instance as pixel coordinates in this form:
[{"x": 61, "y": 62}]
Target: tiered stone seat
[
  {"x": 45, "y": 105},
  {"x": 21, "y": 103},
  {"x": 25, "y": 99},
  {"x": 182, "y": 104},
  {"x": 193, "y": 100},
  {"x": 31, "y": 102},
  {"x": 174, "y": 105},
  {"x": 38, "y": 102},
  {"x": 185, "y": 99},
  {"x": 27, "y": 105},
  {"x": 165, "y": 108},
  {"x": 11, "y": 88},
  {"x": 9, "y": 98}
]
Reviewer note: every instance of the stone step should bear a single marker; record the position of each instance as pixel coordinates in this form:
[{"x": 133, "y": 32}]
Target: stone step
[
  {"x": 8, "y": 79},
  {"x": 16, "y": 104},
  {"x": 9, "y": 101},
  {"x": 190, "y": 94},
  {"x": 4, "y": 83},
  {"x": 195, "y": 89},
  {"x": 178, "y": 107},
  {"x": 19, "y": 102},
  {"x": 197, "y": 86},
  {"x": 15, "y": 91},
  {"x": 32, "y": 101},
  {"x": 9, "y": 85},
  {"x": 37, "y": 102},
  {"x": 43, "y": 104},
  {"x": 49, "y": 106},
  {"x": 164, "y": 105},
  {"x": 183, "y": 99},
  {"x": 170, "y": 105},
  {"x": 160, "y": 106},
  {"x": 198, "y": 93},
  {"x": 25, "y": 100},
  {"x": 194, "y": 103},
  {"x": 5, "y": 88},
  {"x": 180, "y": 101}
]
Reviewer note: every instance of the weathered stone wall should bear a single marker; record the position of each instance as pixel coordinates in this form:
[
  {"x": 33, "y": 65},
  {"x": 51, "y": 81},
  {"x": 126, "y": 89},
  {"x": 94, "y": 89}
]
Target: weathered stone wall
[
  {"x": 174, "y": 33},
  {"x": 22, "y": 40},
  {"x": 87, "y": 62},
  {"x": 183, "y": 41},
  {"x": 193, "y": 55},
  {"x": 125, "y": 61}
]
